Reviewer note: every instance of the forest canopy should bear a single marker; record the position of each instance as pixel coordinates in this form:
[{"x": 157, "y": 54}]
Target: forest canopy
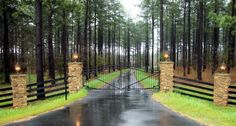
[{"x": 42, "y": 35}]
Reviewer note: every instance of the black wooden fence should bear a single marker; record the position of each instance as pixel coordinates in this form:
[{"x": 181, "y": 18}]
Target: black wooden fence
[
  {"x": 194, "y": 88},
  {"x": 52, "y": 88},
  {"x": 5, "y": 97},
  {"x": 200, "y": 89},
  {"x": 232, "y": 95}
]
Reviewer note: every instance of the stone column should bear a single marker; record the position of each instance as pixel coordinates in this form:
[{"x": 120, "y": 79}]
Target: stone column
[
  {"x": 221, "y": 87},
  {"x": 75, "y": 76},
  {"x": 166, "y": 76},
  {"x": 19, "y": 90}
]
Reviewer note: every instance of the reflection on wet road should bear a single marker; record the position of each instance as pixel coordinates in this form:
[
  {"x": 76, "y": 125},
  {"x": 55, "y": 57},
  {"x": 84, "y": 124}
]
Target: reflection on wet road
[{"x": 112, "y": 108}]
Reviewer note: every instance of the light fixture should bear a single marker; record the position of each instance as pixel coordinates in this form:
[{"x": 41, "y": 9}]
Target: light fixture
[
  {"x": 166, "y": 56},
  {"x": 223, "y": 67},
  {"x": 75, "y": 57},
  {"x": 17, "y": 67}
]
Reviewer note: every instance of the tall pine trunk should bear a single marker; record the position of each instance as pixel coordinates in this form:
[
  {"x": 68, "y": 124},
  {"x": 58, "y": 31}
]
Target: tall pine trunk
[
  {"x": 184, "y": 41},
  {"x": 199, "y": 37},
  {"x": 113, "y": 48},
  {"x": 231, "y": 45},
  {"x": 95, "y": 41},
  {"x": 189, "y": 36},
  {"x": 161, "y": 27},
  {"x": 215, "y": 41},
  {"x": 6, "y": 60},
  {"x": 85, "y": 49},
  {"x": 147, "y": 47},
  {"x": 39, "y": 50},
  {"x": 51, "y": 66},
  {"x": 153, "y": 23},
  {"x": 109, "y": 49}
]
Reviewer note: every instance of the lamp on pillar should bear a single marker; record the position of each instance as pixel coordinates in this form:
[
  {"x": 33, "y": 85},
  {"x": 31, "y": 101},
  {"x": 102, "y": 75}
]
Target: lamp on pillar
[
  {"x": 17, "y": 68},
  {"x": 222, "y": 80},
  {"x": 222, "y": 68},
  {"x": 166, "y": 56},
  {"x": 19, "y": 88},
  {"x": 75, "y": 57}
]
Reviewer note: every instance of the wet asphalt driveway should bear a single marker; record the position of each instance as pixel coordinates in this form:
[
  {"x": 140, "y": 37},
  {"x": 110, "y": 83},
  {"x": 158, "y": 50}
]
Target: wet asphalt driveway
[{"x": 112, "y": 108}]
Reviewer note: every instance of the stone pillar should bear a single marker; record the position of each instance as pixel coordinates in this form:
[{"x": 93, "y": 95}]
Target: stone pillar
[
  {"x": 166, "y": 76},
  {"x": 221, "y": 87},
  {"x": 75, "y": 76},
  {"x": 19, "y": 90}
]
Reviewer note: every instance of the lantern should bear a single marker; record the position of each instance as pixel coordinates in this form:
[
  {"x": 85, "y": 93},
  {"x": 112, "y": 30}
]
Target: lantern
[
  {"x": 166, "y": 56},
  {"x": 17, "y": 68},
  {"x": 75, "y": 57},
  {"x": 223, "y": 67}
]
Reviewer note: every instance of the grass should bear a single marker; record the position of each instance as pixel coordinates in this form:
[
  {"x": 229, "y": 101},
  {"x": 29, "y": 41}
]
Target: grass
[
  {"x": 146, "y": 79},
  {"x": 203, "y": 111},
  {"x": 9, "y": 114},
  {"x": 106, "y": 78}
]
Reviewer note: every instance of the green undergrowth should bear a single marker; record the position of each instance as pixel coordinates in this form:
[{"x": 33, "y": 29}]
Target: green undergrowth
[
  {"x": 147, "y": 80},
  {"x": 203, "y": 111},
  {"x": 103, "y": 79}
]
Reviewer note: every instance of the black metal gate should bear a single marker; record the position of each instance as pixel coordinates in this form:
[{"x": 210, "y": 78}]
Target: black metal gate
[{"x": 127, "y": 78}]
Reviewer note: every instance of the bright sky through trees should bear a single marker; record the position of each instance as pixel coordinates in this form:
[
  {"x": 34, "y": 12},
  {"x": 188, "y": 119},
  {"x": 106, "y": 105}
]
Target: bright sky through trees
[{"x": 132, "y": 8}]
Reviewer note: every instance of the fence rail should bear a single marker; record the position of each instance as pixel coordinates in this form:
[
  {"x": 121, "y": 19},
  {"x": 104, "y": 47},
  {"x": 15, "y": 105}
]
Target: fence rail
[
  {"x": 6, "y": 97},
  {"x": 232, "y": 95},
  {"x": 193, "y": 88},
  {"x": 52, "y": 88},
  {"x": 200, "y": 89}
]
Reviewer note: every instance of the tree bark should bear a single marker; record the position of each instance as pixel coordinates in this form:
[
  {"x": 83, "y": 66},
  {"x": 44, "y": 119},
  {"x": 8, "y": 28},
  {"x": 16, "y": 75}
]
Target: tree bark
[
  {"x": 161, "y": 27},
  {"x": 199, "y": 41},
  {"x": 128, "y": 46},
  {"x": 113, "y": 48},
  {"x": 215, "y": 41},
  {"x": 50, "y": 46},
  {"x": 184, "y": 41},
  {"x": 85, "y": 49},
  {"x": 189, "y": 36},
  {"x": 39, "y": 50},
  {"x": 6, "y": 57},
  {"x": 95, "y": 41},
  {"x": 147, "y": 47},
  {"x": 109, "y": 48},
  {"x": 153, "y": 23},
  {"x": 231, "y": 45}
]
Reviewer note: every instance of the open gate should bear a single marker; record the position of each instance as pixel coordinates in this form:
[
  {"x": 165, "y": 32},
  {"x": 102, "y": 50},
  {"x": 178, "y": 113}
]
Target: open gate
[{"x": 127, "y": 78}]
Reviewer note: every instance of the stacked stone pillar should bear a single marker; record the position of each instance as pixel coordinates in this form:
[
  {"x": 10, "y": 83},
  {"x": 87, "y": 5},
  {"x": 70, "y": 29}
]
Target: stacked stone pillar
[
  {"x": 166, "y": 76},
  {"x": 19, "y": 90},
  {"x": 75, "y": 76},
  {"x": 221, "y": 87}
]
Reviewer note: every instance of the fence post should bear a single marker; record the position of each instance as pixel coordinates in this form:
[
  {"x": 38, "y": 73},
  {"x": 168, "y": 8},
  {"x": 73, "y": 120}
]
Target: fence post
[
  {"x": 19, "y": 90},
  {"x": 221, "y": 87},
  {"x": 166, "y": 76},
  {"x": 75, "y": 76}
]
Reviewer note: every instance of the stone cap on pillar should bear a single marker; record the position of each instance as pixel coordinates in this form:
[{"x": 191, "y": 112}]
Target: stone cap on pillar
[
  {"x": 222, "y": 74},
  {"x": 77, "y": 63},
  {"x": 166, "y": 62},
  {"x": 18, "y": 75}
]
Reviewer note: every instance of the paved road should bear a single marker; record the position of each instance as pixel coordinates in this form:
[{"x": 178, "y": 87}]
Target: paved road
[{"x": 112, "y": 108}]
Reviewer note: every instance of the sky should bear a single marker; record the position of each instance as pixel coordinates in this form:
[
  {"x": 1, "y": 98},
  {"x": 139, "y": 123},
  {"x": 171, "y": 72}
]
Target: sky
[{"x": 131, "y": 8}]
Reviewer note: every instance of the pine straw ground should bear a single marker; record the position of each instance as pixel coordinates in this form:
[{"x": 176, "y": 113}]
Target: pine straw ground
[{"x": 206, "y": 75}]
